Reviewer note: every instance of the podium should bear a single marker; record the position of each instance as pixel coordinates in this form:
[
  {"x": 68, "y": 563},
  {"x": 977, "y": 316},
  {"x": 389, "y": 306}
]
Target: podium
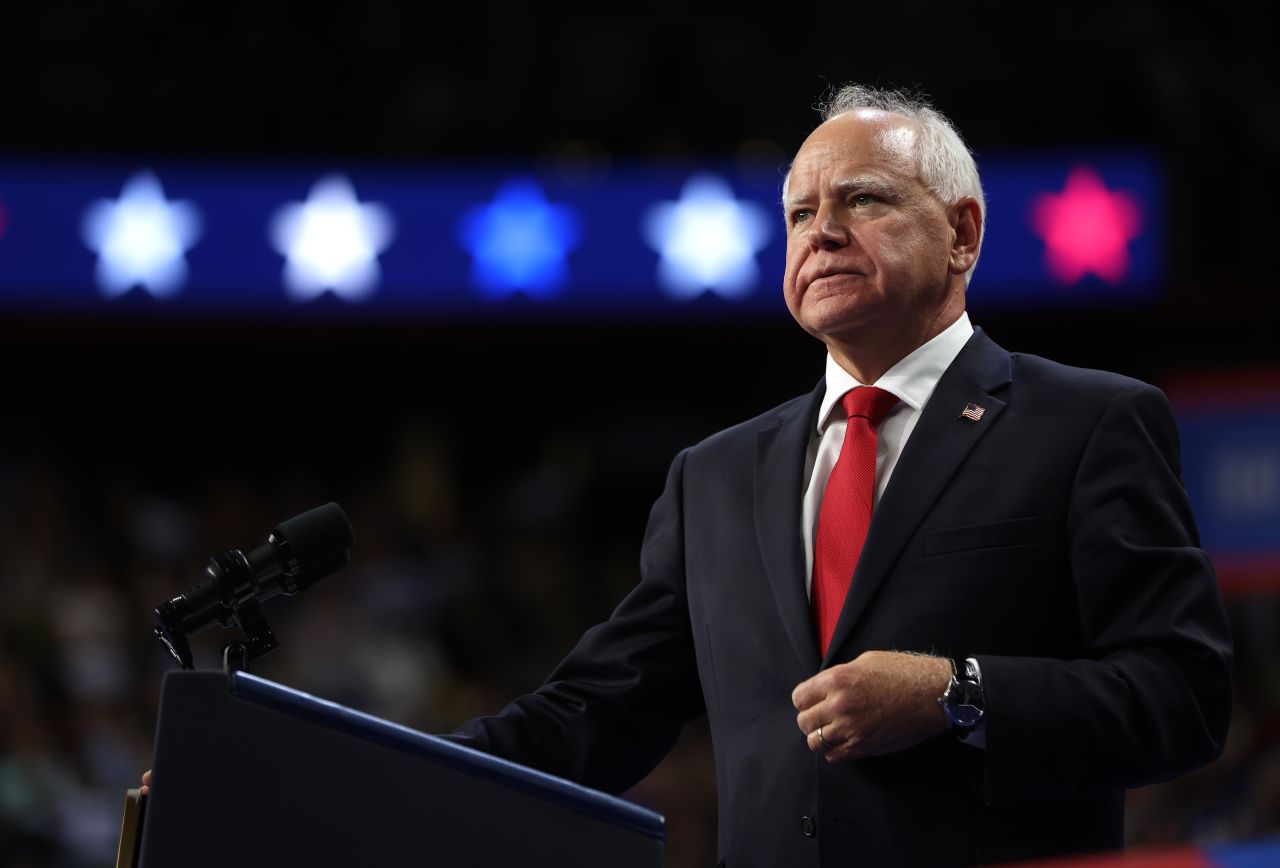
[{"x": 253, "y": 774}]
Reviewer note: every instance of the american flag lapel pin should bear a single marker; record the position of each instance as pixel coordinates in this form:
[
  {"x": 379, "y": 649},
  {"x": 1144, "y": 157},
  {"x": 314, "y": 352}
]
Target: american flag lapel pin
[{"x": 973, "y": 412}]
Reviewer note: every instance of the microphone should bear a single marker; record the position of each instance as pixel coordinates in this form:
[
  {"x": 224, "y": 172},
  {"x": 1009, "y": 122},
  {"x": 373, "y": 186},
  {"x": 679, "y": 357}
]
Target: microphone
[{"x": 297, "y": 554}]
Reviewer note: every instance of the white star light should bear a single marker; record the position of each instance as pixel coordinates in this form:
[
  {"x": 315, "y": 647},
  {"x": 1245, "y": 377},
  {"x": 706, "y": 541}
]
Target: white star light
[
  {"x": 331, "y": 242},
  {"x": 707, "y": 240},
  {"x": 141, "y": 238}
]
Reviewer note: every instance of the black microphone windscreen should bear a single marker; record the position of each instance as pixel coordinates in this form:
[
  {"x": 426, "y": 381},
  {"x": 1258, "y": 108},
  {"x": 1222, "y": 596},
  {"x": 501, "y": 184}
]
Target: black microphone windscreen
[{"x": 317, "y": 535}]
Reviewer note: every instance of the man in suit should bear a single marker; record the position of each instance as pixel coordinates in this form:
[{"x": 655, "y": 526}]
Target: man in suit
[{"x": 942, "y": 610}]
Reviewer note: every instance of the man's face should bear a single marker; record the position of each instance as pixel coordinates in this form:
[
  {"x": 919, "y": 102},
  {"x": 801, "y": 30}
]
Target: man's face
[{"x": 868, "y": 244}]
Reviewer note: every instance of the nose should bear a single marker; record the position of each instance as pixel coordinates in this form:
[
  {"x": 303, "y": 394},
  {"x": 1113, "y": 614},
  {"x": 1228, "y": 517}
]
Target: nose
[{"x": 826, "y": 233}]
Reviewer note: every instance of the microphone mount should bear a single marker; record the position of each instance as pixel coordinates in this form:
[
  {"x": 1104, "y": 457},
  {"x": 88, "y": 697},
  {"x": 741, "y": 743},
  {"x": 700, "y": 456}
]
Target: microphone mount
[{"x": 296, "y": 555}]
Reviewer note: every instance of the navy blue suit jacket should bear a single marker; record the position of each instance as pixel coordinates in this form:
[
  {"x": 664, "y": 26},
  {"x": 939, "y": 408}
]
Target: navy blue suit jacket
[{"x": 1051, "y": 540}]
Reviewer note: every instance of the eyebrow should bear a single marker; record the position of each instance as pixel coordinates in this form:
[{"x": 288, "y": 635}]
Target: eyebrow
[{"x": 870, "y": 183}]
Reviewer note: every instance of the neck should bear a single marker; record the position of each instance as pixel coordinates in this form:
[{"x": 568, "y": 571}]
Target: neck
[{"x": 868, "y": 356}]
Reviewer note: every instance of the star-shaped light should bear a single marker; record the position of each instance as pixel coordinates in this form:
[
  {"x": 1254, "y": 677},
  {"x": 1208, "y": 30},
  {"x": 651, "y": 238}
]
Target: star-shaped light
[
  {"x": 141, "y": 238},
  {"x": 708, "y": 240},
  {"x": 519, "y": 242},
  {"x": 1086, "y": 228},
  {"x": 331, "y": 242}
]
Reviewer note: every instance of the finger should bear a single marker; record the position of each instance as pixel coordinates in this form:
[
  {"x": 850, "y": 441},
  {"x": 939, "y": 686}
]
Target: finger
[
  {"x": 824, "y": 712},
  {"x": 146, "y": 778},
  {"x": 848, "y": 749},
  {"x": 822, "y": 741},
  {"x": 841, "y": 751},
  {"x": 809, "y": 693},
  {"x": 839, "y": 755}
]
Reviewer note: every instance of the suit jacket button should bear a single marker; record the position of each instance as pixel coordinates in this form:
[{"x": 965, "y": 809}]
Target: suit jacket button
[{"x": 809, "y": 827}]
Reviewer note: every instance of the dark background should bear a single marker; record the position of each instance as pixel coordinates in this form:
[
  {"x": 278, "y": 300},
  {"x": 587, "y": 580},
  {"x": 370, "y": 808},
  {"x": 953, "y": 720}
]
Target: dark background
[{"x": 498, "y": 473}]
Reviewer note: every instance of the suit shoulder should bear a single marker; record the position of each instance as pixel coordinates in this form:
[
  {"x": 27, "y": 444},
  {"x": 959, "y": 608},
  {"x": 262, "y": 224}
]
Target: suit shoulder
[
  {"x": 1065, "y": 383},
  {"x": 744, "y": 433}
]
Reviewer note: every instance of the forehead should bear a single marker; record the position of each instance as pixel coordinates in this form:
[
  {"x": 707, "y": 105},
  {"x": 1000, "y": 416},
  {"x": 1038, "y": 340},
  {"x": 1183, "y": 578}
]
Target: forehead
[{"x": 863, "y": 141}]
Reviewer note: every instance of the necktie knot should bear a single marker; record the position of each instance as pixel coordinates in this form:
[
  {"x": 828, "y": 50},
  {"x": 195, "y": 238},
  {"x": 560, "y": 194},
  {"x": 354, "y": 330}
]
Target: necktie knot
[{"x": 868, "y": 402}]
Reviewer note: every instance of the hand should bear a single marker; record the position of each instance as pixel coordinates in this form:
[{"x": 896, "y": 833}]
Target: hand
[
  {"x": 146, "y": 782},
  {"x": 881, "y": 702}
]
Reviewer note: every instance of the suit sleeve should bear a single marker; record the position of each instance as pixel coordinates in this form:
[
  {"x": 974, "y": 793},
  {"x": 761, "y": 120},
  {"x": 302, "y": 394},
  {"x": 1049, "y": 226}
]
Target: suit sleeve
[
  {"x": 1149, "y": 697},
  {"x": 614, "y": 706}
]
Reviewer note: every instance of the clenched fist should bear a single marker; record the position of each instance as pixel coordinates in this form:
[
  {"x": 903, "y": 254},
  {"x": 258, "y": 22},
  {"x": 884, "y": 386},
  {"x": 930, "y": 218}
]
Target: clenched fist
[{"x": 880, "y": 702}]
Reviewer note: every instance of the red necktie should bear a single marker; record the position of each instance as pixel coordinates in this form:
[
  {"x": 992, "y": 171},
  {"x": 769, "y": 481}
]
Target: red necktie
[{"x": 845, "y": 514}]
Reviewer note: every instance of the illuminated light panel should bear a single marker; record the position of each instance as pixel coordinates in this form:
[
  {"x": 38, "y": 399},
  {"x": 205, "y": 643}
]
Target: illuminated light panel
[
  {"x": 1229, "y": 428},
  {"x": 331, "y": 242},
  {"x": 141, "y": 238},
  {"x": 604, "y": 263},
  {"x": 519, "y": 242},
  {"x": 707, "y": 240},
  {"x": 1086, "y": 228}
]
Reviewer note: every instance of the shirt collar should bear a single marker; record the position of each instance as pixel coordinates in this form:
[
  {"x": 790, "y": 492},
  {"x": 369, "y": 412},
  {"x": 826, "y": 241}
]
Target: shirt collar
[{"x": 912, "y": 379}]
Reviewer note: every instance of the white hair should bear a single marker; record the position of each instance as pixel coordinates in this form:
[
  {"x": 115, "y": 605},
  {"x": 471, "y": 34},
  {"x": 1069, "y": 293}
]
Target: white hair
[{"x": 945, "y": 162}]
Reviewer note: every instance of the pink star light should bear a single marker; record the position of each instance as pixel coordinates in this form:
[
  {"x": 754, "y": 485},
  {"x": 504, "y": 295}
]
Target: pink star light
[{"x": 1086, "y": 228}]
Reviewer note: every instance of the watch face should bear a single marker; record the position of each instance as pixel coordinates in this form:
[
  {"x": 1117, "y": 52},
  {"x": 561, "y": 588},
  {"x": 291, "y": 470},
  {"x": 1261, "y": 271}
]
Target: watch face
[
  {"x": 964, "y": 703},
  {"x": 966, "y": 716}
]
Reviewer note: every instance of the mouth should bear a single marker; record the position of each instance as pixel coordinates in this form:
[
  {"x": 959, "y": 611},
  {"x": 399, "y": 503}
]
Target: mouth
[{"x": 832, "y": 276}]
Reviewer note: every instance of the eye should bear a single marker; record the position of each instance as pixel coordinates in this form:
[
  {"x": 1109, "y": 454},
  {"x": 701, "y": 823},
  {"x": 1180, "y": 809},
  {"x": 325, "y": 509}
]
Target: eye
[
  {"x": 800, "y": 215},
  {"x": 862, "y": 200}
]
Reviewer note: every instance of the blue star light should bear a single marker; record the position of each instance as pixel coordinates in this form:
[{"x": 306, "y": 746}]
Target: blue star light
[
  {"x": 708, "y": 240},
  {"x": 141, "y": 238},
  {"x": 518, "y": 242}
]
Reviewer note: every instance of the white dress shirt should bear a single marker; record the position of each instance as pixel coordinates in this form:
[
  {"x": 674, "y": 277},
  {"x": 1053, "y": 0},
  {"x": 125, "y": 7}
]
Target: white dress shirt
[{"x": 912, "y": 380}]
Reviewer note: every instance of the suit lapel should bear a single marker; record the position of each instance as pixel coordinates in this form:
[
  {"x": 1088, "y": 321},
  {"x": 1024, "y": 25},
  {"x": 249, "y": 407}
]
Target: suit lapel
[
  {"x": 937, "y": 446},
  {"x": 779, "y": 489}
]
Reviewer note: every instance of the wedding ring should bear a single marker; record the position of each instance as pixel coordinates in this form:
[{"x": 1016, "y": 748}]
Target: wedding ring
[{"x": 825, "y": 743}]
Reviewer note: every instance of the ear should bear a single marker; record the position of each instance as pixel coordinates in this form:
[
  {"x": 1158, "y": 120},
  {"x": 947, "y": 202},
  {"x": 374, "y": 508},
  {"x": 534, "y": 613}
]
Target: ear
[{"x": 966, "y": 222}]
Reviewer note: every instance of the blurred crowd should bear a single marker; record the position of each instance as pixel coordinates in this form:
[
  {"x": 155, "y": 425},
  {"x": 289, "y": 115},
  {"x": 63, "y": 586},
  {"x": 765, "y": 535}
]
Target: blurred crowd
[
  {"x": 470, "y": 578},
  {"x": 464, "y": 591}
]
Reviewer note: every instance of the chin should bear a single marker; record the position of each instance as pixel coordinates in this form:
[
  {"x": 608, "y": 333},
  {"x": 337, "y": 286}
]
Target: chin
[{"x": 833, "y": 318}]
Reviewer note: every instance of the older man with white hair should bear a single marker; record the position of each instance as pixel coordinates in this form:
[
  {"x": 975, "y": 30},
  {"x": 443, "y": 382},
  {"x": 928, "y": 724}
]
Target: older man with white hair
[{"x": 944, "y": 608}]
